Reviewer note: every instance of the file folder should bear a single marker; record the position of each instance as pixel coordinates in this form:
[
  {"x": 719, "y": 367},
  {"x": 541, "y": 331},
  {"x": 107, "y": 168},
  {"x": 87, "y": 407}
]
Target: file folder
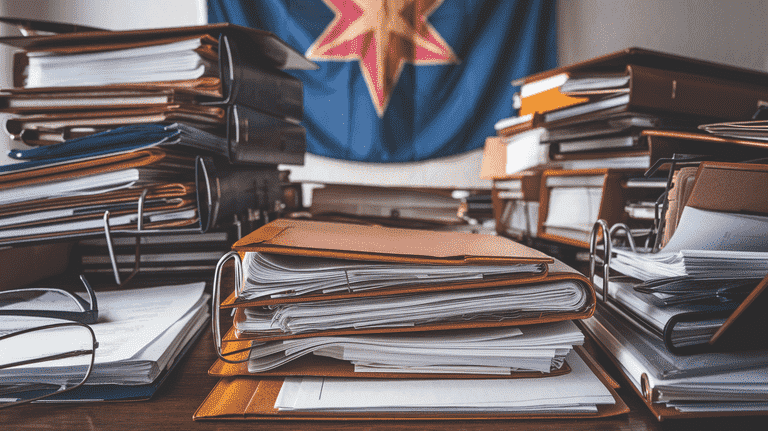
[
  {"x": 253, "y": 398},
  {"x": 170, "y": 202},
  {"x": 405, "y": 246},
  {"x": 663, "y": 143}
]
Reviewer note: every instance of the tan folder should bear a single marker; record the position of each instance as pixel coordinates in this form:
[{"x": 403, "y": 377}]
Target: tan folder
[
  {"x": 382, "y": 244},
  {"x": 253, "y": 398}
]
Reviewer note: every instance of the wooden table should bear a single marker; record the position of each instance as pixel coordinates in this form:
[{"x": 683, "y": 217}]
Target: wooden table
[{"x": 185, "y": 389}]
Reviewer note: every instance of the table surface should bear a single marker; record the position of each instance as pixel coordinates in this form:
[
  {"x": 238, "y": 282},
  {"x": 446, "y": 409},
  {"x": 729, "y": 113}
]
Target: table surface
[{"x": 173, "y": 405}]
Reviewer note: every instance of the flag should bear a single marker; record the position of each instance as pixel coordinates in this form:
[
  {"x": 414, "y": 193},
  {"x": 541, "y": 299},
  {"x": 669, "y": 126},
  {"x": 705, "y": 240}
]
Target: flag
[{"x": 404, "y": 80}]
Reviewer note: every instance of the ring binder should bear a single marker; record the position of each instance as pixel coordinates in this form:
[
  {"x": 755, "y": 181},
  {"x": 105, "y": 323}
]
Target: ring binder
[
  {"x": 216, "y": 306},
  {"x": 740, "y": 316}
]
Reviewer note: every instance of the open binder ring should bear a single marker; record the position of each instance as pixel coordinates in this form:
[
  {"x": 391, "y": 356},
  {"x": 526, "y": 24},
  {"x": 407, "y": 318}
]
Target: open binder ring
[
  {"x": 600, "y": 224},
  {"x": 216, "y": 305}
]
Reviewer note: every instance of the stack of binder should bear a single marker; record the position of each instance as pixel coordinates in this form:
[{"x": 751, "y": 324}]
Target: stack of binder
[
  {"x": 609, "y": 127},
  {"x": 332, "y": 318},
  {"x": 650, "y": 162},
  {"x": 684, "y": 321},
  {"x": 147, "y": 132},
  {"x": 154, "y": 148}
]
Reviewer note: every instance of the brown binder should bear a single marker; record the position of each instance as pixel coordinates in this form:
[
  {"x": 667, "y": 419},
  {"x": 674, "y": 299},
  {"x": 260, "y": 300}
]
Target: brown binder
[
  {"x": 381, "y": 244},
  {"x": 253, "y": 398},
  {"x": 660, "y": 84},
  {"x": 617, "y": 62}
]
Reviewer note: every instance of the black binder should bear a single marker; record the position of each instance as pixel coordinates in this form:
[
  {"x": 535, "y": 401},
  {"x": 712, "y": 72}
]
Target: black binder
[
  {"x": 246, "y": 81},
  {"x": 258, "y": 138}
]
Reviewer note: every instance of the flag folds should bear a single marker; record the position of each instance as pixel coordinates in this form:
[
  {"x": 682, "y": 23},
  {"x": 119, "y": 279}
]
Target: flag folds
[{"x": 404, "y": 80}]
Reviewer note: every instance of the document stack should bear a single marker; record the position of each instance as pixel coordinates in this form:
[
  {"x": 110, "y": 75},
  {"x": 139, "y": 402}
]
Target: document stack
[
  {"x": 609, "y": 127},
  {"x": 335, "y": 320},
  {"x": 152, "y": 147},
  {"x": 686, "y": 323},
  {"x": 138, "y": 336},
  {"x": 407, "y": 207},
  {"x": 147, "y": 132}
]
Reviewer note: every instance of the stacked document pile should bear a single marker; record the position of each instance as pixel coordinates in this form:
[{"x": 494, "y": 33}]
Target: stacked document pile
[
  {"x": 603, "y": 123},
  {"x": 686, "y": 324},
  {"x": 148, "y": 130},
  {"x": 141, "y": 335},
  {"x": 331, "y": 317},
  {"x": 206, "y": 77}
]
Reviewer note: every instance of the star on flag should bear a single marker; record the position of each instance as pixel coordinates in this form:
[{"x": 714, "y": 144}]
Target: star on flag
[{"x": 382, "y": 35}]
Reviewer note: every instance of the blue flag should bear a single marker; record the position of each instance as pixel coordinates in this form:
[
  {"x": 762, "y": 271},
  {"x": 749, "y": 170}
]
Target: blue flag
[{"x": 404, "y": 80}]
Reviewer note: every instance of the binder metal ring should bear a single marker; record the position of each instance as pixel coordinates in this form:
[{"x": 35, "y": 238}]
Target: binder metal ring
[
  {"x": 600, "y": 224},
  {"x": 216, "y": 305}
]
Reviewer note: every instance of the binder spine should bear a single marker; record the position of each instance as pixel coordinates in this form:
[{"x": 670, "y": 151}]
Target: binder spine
[
  {"x": 247, "y": 82},
  {"x": 684, "y": 93},
  {"x": 258, "y": 138}
]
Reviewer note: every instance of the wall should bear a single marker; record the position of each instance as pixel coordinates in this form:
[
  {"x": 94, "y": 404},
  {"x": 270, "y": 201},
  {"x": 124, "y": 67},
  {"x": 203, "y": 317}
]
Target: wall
[
  {"x": 730, "y": 32},
  {"x": 111, "y": 15}
]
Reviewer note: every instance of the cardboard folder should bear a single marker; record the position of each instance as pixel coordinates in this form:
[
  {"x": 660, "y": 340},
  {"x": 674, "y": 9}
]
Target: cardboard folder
[
  {"x": 253, "y": 398},
  {"x": 719, "y": 186},
  {"x": 381, "y": 244}
]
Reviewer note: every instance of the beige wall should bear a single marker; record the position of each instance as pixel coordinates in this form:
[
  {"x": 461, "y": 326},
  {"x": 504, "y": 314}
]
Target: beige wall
[
  {"x": 726, "y": 31},
  {"x": 111, "y": 15}
]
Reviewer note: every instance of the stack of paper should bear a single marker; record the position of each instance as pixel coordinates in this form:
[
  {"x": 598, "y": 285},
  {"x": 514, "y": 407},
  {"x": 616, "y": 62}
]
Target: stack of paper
[
  {"x": 732, "y": 246},
  {"x": 424, "y": 313},
  {"x": 140, "y": 333},
  {"x": 183, "y": 60},
  {"x": 708, "y": 382},
  {"x": 68, "y": 199},
  {"x": 416, "y": 309},
  {"x": 578, "y": 391},
  {"x": 284, "y": 276},
  {"x": 685, "y": 327},
  {"x": 539, "y": 348}
]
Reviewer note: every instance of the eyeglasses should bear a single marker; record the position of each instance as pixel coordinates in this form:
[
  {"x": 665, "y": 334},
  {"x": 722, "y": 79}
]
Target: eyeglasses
[
  {"x": 46, "y": 346},
  {"x": 45, "y": 360},
  {"x": 51, "y": 303}
]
